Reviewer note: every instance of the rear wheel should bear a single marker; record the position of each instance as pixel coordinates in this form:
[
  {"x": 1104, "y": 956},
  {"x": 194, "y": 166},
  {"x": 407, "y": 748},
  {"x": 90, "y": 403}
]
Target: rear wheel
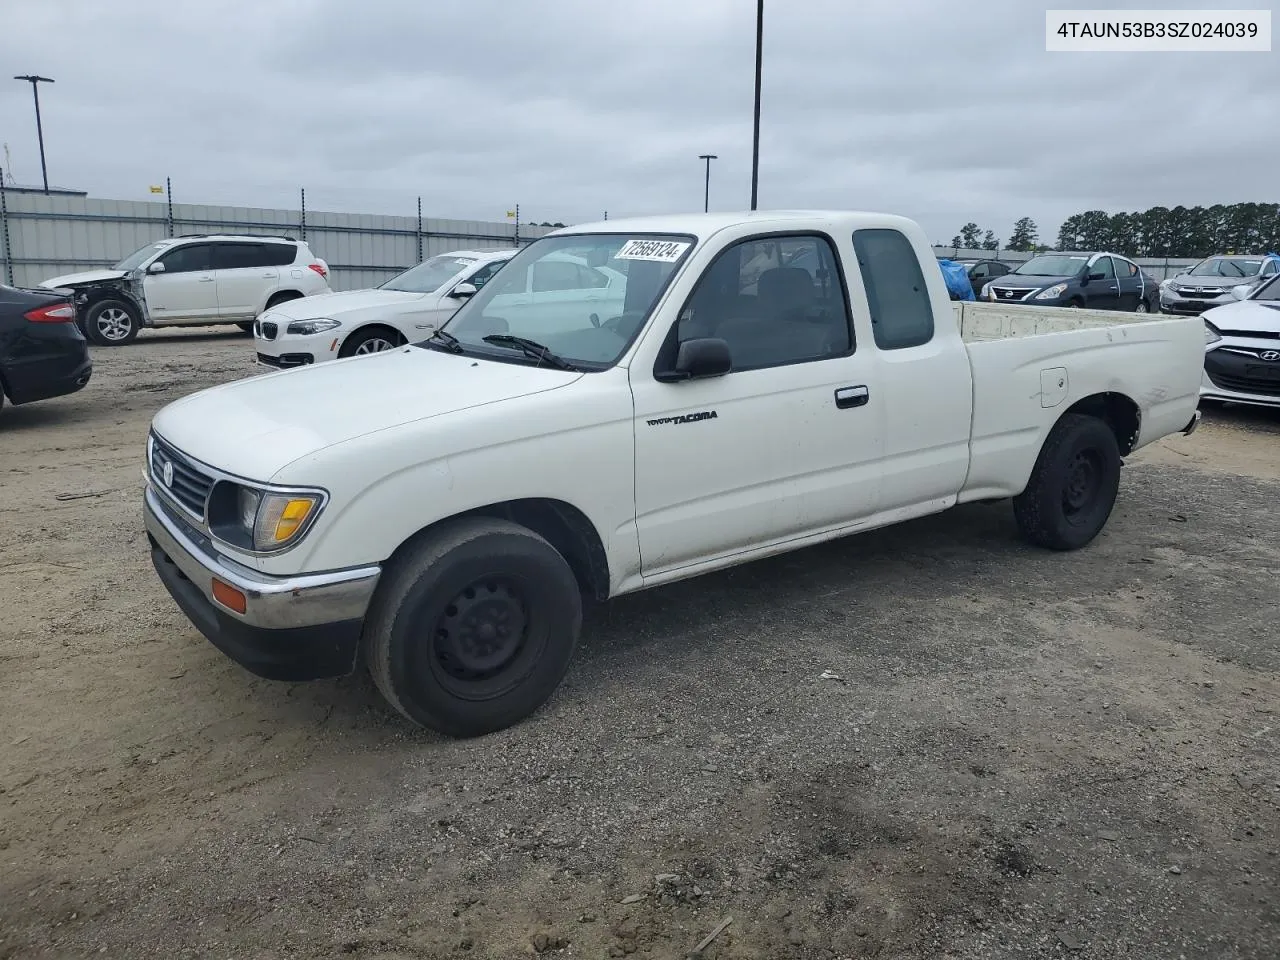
[
  {"x": 373, "y": 340},
  {"x": 1142, "y": 307},
  {"x": 111, "y": 323},
  {"x": 473, "y": 629},
  {"x": 1073, "y": 485}
]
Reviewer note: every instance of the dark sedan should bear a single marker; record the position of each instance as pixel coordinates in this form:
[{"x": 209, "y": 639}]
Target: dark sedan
[
  {"x": 1096, "y": 281},
  {"x": 982, "y": 271},
  {"x": 43, "y": 354}
]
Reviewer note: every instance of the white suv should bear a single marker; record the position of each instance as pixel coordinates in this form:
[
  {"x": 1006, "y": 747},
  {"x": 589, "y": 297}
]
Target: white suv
[
  {"x": 193, "y": 281},
  {"x": 405, "y": 309}
]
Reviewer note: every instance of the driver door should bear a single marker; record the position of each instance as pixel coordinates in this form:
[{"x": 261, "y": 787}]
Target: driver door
[{"x": 789, "y": 442}]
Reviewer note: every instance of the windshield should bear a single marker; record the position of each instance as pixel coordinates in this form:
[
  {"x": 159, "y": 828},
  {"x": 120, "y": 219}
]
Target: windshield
[
  {"x": 135, "y": 259},
  {"x": 430, "y": 275},
  {"x": 1052, "y": 266},
  {"x": 584, "y": 297},
  {"x": 1227, "y": 267}
]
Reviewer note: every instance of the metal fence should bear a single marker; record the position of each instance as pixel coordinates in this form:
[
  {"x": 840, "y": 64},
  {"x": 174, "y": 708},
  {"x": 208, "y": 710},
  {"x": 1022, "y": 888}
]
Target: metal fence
[{"x": 46, "y": 236}]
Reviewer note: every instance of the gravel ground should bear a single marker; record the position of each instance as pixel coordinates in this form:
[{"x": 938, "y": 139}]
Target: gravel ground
[{"x": 1020, "y": 753}]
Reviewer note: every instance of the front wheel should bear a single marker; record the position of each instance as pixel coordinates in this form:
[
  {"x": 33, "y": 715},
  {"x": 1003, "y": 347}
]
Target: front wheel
[
  {"x": 1073, "y": 485},
  {"x": 472, "y": 630},
  {"x": 1142, "y": 307},
  {"x": 111, "y": 323},
  {"x": 374, "y": 340}
]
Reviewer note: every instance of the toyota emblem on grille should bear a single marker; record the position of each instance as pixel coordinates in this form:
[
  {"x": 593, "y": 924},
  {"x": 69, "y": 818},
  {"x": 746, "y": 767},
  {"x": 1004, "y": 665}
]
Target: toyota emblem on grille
[
  {"x": 1270, "y": 355},
  {"x": 166, "y": 472}
]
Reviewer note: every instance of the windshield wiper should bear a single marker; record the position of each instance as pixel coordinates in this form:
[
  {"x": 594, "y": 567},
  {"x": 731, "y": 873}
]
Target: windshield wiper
[
  {"x": 531, "y": 348},
  {"x": 446, "y": 341}
]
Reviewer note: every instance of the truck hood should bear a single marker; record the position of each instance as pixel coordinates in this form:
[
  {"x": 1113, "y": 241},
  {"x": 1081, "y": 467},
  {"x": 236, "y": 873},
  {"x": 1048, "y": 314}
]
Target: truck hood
[
  {"x": 81, "y": 279},
  {"x": 335, "y": 305},
  {"x": 254, "y": 428},
  {"x": 1250, "y": 316}
]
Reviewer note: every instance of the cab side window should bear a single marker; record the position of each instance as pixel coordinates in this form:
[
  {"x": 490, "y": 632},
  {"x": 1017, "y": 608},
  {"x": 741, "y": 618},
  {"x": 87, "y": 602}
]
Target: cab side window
[
  {"x": 774, "y": 300},
  {"x": 901, "y": 312}
]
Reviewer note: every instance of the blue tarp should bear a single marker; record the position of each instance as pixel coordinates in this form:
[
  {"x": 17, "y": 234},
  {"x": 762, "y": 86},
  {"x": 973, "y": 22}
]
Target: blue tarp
[{"x": 957, "y": 278}]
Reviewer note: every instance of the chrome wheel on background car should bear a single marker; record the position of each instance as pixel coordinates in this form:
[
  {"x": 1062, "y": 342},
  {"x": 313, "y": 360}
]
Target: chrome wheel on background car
[
  {"x": 1141, "y": 307},
  {"x": 374, "y": 339}
]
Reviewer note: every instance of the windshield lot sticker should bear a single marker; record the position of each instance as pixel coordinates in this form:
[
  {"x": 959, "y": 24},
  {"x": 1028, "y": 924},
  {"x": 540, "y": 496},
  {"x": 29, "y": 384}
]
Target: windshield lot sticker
[{"x": 663, "y": 251}]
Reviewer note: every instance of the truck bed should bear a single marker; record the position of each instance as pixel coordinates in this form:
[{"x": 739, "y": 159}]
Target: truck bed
[
  {"x": 979, "y": 320},
  {"x": 1027, "y": 362}
]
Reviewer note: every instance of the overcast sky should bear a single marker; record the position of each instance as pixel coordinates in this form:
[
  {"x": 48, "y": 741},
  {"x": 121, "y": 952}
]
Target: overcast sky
[{"x": 942, "y": 111}]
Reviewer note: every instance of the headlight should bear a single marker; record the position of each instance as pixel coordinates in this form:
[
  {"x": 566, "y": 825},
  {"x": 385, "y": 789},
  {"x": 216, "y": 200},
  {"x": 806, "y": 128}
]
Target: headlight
[
  {"x": 304, "y": 328},
  {"x": 1052, "y": 293},
  {"x": 1211, "y": 334},
  {"x": 261, "y": 520},
  {"x": 986, "y": 291},
  {"x": 1165, "y": 285}
]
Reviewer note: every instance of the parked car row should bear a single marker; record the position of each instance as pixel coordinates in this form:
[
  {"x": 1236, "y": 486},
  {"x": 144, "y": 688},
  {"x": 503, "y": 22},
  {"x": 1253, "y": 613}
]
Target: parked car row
[{"x": 1215, "y": 281}]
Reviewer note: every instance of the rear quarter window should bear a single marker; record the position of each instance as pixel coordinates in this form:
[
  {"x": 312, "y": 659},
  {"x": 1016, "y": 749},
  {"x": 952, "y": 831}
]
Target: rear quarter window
[{"x": 901, "y": 312}]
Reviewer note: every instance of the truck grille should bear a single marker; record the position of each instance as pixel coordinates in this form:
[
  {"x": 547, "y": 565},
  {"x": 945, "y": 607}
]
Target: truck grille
[{"x": 189, "y": 485}]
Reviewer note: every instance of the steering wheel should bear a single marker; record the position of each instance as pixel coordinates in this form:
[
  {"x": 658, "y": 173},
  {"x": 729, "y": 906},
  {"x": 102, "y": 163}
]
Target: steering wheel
[{"x": 615, "y": 324}]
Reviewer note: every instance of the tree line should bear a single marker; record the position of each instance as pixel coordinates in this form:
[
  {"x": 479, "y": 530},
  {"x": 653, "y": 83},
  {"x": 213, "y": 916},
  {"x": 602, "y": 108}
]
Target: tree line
[{"x": 1158, "y": 232}]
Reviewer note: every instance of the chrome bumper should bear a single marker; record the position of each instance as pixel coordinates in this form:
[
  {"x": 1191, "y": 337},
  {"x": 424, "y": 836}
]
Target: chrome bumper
[{"x": 273, "y": 603}]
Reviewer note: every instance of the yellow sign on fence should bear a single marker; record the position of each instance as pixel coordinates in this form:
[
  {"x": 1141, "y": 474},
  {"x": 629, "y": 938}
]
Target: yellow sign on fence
[{"x": 155, "y": 189}]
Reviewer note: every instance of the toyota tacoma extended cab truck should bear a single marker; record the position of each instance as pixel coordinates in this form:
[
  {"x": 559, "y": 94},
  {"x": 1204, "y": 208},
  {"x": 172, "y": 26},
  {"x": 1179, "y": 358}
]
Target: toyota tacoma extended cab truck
[{"x": 438, "y": 512}]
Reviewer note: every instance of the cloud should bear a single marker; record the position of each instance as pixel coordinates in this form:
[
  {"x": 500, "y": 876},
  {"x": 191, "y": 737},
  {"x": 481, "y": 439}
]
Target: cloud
[{"x": 942, "y": 112}]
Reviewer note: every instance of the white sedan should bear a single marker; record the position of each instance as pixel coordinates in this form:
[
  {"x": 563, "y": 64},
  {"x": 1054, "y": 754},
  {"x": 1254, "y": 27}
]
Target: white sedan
[{"x": 405, "y": 309}]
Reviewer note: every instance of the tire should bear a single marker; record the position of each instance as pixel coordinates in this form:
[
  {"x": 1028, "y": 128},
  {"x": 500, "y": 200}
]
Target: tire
[
  {"x": 246, "y": 326},
  {"x": 1073, "y": 485},
  {"x": 421, "y": 633},
  {"x": 1142, "y": 307},
  {"x": 111, "y": 323},
  {"x": 371, "y": 340},
  {"x": 1074, "y": 304}
]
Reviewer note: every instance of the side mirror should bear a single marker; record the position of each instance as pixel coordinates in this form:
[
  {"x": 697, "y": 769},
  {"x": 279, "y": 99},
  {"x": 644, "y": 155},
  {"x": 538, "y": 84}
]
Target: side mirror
[
  {"x": 704, "y": 357},
  {"x": 157, "y": 267},
  {"x": 463, "y": 290},
  {"x": 1095, "y": 275}
]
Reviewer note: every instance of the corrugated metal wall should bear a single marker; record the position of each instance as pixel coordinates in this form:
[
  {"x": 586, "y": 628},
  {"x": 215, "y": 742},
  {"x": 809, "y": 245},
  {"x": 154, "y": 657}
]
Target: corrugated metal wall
[{"x": 46, "y": 236}]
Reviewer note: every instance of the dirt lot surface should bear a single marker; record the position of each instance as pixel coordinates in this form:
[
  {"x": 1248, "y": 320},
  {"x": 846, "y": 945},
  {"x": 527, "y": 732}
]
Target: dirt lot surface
[{"x": 1024, "y": 754}]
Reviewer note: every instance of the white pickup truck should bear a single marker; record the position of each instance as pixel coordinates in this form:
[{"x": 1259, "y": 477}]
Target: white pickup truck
[{"x": 769, "y": 381}]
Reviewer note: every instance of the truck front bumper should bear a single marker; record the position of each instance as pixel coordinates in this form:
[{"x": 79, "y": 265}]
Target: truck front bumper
[{"x": 303, "y": 627}]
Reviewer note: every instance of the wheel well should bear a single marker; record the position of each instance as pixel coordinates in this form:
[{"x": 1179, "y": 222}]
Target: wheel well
[
  {"x": 378, "y": 326},
  {"x": 562, "y": 525},
  {"x": 281, "y": 296},
  {"x": 1118, "y": 412}
]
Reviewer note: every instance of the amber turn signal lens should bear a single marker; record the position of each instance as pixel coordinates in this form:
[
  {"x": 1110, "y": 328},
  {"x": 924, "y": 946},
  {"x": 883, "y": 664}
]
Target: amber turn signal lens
[{"x": 229, "y": 596}]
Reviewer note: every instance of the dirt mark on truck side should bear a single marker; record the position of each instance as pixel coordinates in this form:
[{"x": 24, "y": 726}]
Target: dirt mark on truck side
[{"x": 1015, "y": 753}]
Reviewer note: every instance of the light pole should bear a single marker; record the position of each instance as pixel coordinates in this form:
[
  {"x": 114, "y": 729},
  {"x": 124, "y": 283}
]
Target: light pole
[
  {"x": 706, "y": 192},
  {"x": 755, "y": 134},
  {"x": 35, "y": 82}
]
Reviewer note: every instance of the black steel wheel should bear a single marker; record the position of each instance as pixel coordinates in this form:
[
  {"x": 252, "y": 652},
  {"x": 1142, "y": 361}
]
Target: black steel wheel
[
  {"x": 473, "y": 626},
  {"x": 1072, "y": 489}
]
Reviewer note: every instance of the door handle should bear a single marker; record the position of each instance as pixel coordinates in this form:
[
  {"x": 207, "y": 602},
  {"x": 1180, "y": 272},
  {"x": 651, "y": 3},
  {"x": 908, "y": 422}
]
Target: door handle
[
  {"x": 206, "y": 279},
  {"x": 847, "y": 397}
]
